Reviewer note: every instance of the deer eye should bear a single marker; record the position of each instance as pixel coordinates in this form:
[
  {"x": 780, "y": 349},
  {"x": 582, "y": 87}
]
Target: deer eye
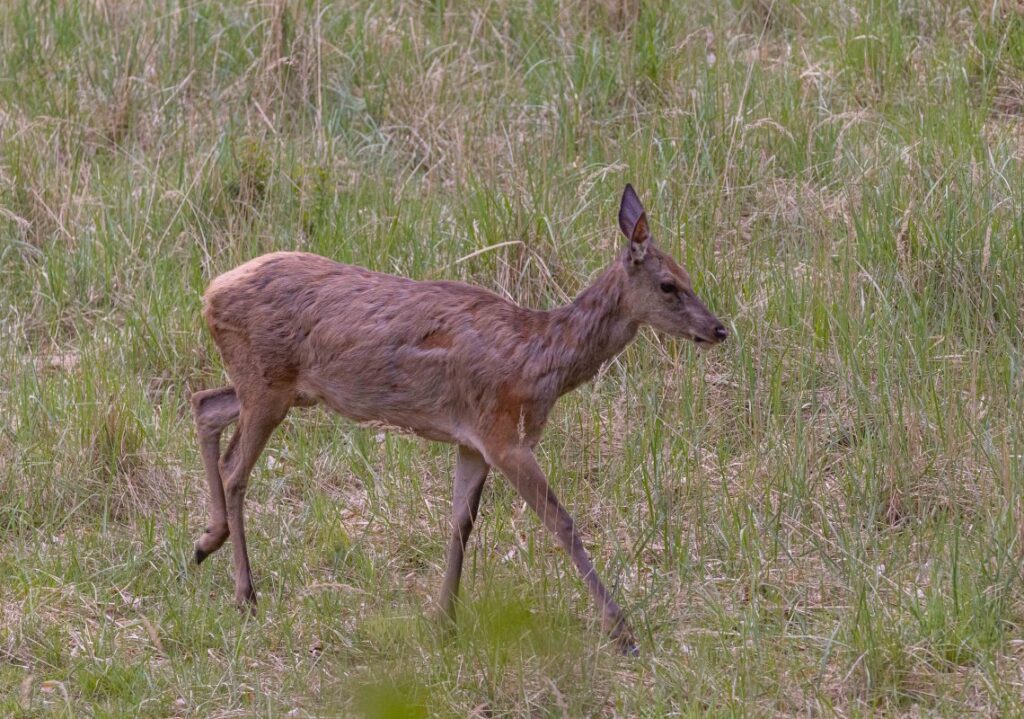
[{"x": 668, "y": 287}]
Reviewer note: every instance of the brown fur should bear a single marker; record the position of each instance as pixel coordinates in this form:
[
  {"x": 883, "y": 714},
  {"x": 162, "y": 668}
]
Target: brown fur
[{"x": 444, "y": 360}]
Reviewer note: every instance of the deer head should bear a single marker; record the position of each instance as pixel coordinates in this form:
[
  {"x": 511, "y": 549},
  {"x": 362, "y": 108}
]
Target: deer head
[{"x": 658, "y": 290}]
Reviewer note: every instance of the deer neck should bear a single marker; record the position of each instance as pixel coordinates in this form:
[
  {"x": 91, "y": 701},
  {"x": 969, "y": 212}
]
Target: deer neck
[{"x": 589, "y": 331}]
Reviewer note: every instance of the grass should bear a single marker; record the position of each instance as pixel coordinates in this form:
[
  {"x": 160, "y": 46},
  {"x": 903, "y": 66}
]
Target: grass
[{"x": 822, "y": 517}]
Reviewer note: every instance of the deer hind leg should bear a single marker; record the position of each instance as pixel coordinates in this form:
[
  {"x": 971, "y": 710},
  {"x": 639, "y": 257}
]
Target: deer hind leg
[
  {"x": 213, "y": 409},
  {"x": 470, "y": 472},
  {"x": 256, "y": 422},
  {"x": 521, "y": 468}
]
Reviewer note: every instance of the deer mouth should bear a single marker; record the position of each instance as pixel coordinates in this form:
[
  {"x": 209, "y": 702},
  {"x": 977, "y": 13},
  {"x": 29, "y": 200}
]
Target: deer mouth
[
  {"x": 717, "y": 335},
  {"x": 702, "y": 341}
]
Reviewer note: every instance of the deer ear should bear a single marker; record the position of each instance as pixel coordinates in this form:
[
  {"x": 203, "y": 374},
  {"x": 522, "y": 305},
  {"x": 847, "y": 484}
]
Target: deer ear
[
  {"x": 638, "y": 243},
  {"x": 633, "y": 223}
]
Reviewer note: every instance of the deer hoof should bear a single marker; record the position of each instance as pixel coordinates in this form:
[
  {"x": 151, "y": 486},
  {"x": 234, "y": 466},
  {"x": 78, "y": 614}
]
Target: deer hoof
[
  {"x": 245, "y": 599},
  {"x": 246, "y": 606},
  {"x": 629, "y": 649}
]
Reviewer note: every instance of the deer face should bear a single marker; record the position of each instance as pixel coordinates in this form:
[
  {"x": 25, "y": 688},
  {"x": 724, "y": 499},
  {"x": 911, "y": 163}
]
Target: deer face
[{"x": 658, "y": 290}]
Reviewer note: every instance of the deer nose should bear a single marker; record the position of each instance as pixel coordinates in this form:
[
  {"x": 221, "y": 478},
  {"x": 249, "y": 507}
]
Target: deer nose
[{"x": 721, "y": 333}]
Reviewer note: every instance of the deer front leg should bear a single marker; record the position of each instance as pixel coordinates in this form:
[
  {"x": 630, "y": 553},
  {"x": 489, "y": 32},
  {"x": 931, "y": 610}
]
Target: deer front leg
[
  {"x": 470, "y": 472},
  {"x": 521, "y": 468}
]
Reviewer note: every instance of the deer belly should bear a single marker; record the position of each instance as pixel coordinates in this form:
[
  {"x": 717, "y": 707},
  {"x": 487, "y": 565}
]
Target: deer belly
[{"x": 390, "y": 401}]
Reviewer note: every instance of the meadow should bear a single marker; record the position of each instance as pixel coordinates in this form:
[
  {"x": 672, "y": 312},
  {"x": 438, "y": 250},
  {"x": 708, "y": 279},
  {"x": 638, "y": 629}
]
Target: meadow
[{"x": 822, "y": 517}]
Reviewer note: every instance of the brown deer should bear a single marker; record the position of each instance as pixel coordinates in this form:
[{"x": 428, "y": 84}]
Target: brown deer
[{"x": 445, "y": 360}]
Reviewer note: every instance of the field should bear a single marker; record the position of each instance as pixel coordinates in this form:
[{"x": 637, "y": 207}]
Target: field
[{"x": 822, "y": 517}]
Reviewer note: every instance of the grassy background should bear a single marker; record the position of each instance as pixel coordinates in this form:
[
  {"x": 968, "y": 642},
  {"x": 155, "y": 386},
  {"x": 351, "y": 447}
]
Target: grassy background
[{"x": 822, "y": 517}]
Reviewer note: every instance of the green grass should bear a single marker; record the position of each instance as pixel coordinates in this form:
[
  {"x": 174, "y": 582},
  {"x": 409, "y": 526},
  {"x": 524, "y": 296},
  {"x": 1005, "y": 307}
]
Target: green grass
[{"x": 821, "y": 517}]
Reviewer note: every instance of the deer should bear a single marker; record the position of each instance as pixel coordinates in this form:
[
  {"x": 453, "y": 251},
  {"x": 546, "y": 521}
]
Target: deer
[{"x": 444, "y": 360}]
